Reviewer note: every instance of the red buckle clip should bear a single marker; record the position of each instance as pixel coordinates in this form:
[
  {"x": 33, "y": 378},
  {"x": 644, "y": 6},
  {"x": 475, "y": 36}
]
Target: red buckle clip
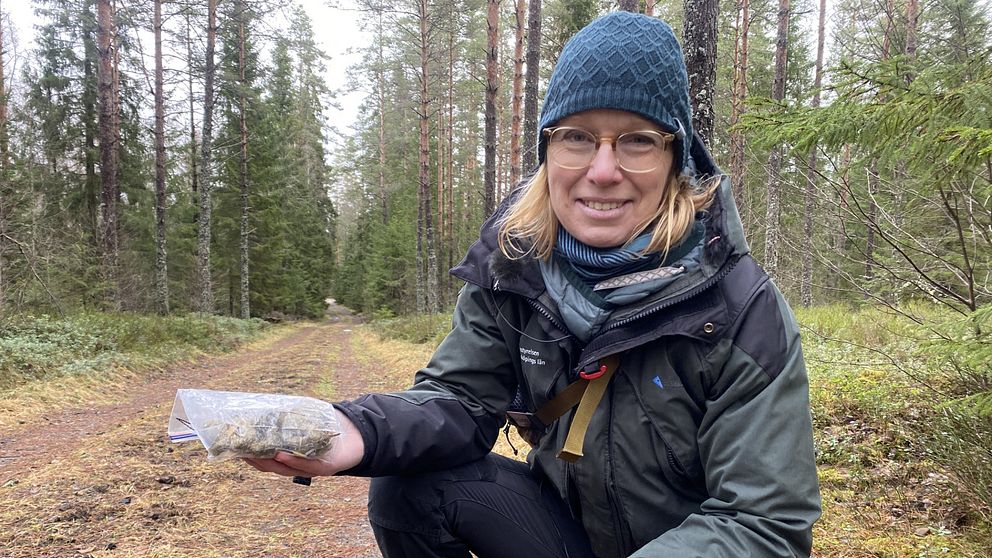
[{"x": 593, "y": 375}]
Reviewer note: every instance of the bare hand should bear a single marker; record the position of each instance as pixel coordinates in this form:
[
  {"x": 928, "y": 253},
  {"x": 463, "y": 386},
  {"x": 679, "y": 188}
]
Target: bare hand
[{"x": 346, "y": 452}]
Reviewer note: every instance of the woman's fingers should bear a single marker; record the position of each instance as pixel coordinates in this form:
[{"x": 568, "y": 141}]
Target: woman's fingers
[
  {"x": 305, "y": 467},
  {"x": 274, "y": 466}
]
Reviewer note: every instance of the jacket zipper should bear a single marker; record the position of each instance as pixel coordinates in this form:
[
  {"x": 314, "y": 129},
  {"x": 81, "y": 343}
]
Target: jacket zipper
[
  {"x": 620, "y": 526},
  {"x": 673, "y": 301},
  {"x": 716, "y": 278},
  {"x": 541, "y": 309},
  {"x": 547, "y": 314}
]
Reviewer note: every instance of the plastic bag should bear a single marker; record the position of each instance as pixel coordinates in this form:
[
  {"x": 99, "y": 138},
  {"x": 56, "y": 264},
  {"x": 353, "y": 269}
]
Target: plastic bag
[{"x": 236, "y": 424}]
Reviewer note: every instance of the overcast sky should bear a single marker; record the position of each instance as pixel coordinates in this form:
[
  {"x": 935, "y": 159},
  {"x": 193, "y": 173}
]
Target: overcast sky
[{"x": 336, "y": 30}]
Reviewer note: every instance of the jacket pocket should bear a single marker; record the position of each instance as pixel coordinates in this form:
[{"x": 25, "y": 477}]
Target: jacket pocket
[{"x": 673, "y": 417}]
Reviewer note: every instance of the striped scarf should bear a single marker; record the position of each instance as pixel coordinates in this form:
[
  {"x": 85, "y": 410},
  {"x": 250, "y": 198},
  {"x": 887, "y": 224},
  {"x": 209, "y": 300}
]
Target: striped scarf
[{"x": 596, "y": 264}]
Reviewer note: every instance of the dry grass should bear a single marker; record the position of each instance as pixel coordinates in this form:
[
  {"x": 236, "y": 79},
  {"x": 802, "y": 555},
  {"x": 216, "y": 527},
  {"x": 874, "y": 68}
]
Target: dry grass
[
  {"x": 30, "y": 402},
  {"x": 125, "y": 490}
]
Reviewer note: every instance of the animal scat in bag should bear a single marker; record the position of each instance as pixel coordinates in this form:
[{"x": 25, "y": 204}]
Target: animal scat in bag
[{"x": 236, "y": 424}]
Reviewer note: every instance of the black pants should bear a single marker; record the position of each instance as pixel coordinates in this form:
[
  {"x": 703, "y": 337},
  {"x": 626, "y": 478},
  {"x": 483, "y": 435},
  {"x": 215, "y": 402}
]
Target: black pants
[{"x": 494, "y": 507}]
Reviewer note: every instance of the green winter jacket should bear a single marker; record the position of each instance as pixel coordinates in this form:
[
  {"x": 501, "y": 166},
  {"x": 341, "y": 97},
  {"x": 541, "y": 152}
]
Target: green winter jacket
[{"x": 702, "y": 445}]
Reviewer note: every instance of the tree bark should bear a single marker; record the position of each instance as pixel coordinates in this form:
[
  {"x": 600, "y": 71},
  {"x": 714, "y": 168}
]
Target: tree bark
[
  {"x": 773, "y": 208},
  {"x": 738, "y": 165},
  {"x": 806, "y": 283},
  {"x": 4, "y": 147},
  {"x": 193, "y": 162},
  {"x": 108, "y": 152},
  {"x": 450, "y": 186},
  {"x": 700, "y": 60},
  {"x": 161, "y": 264},
  {"x": 492, "y": 88},
  {"x": 243, "y": 174},
  {"x": 90, "y": 125},
  {"x": 515, "y": 111},
  {"x": 530, "y": 86},
  {"x": 4, "y": 131},
  {"x": 627, "y": 5},
  {"x": 381, "y": 90},
  {"x": 873, "y": 178},
  {"x": 205, "y": 300},
  {"x": 649, "y": 8},
  {"x": 427, "y": 299}
]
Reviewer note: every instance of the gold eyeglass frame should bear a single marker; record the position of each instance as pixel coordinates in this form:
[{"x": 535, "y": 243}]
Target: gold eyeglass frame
[{"x": 666, "y": 139}]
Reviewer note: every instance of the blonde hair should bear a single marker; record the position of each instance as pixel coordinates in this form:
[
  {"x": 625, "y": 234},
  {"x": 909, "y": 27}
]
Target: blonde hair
[{"x": 530, "y": 228}]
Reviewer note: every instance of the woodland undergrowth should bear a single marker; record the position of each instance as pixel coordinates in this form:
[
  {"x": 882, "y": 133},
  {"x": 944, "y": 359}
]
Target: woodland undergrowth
[{"x": 902, "y": 428}]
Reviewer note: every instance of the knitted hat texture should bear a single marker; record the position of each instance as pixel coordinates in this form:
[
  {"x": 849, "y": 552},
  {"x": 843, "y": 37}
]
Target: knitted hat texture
[{"x": 622, "y": 61}]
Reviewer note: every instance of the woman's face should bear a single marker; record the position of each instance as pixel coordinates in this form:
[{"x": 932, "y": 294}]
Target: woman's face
[{"x": 602, "y": 204}]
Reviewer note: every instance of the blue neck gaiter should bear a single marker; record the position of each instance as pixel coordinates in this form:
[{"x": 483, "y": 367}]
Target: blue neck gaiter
[{"x": 597, "y": 264}]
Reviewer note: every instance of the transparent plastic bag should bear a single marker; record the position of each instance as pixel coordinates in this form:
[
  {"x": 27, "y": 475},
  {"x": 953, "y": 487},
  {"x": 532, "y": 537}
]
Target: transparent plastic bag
[{"x": 235, "y": 424}]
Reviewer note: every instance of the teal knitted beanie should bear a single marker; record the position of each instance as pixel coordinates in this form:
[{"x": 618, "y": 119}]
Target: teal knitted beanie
[{"x": 623, "y": 61}]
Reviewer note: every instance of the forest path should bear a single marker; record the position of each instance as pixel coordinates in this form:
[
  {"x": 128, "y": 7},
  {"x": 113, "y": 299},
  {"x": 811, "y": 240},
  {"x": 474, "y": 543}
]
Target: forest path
[{"x": 106, "y": 480}]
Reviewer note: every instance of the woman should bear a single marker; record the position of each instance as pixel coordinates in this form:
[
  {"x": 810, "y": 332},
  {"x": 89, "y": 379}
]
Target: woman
[{"x": 618, "y": 275}]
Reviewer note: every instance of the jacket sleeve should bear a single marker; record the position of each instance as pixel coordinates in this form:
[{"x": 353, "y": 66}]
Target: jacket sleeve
[
  {"x": 453, "y": 412},
  {"x": 756, "y": 446}
]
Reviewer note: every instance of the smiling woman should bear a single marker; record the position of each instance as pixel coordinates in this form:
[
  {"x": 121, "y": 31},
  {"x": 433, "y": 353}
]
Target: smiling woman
[{"x": 615, "y": 282}]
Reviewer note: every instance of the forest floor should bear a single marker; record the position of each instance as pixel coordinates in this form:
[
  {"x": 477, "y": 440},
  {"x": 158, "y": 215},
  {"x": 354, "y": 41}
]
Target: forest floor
[
  {"x": 103, "y": 479},
  {"x": 87, "y": 468}
]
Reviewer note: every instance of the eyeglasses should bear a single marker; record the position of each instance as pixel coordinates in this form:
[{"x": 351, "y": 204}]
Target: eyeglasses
[{"x": 638, "y": 151}]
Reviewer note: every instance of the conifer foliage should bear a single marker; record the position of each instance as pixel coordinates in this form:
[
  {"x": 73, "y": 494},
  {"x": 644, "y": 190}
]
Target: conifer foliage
[{"x": 101, "y": 172}]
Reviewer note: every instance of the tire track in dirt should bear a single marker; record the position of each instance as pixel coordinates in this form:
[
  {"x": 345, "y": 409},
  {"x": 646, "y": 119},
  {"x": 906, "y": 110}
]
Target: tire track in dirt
[{"x": 123, "y": 489}]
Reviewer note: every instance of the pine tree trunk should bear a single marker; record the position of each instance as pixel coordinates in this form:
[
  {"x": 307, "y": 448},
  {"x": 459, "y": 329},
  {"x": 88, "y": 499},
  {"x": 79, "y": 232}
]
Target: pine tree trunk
[
  {"x": 518, "y": 70},
  {"x": 530, "y": 86},
  {"x": 161, "y": 265},
  {"x": 4, "y": 130},
  {"x": 427, "y": 286},
  {"x": 4, "y": 148},
  {"x": 773, "y": 208},
  {"x": 873, "y": 178},
  {"x": 912, "y": 15},
  {"x": 872, "y": 223},
  {"x": 243, "y": 175},
  {"x": 381, "y": 90},
  {"x": 806, "y": 283},
  {"x": 738, "y": 165},
  {"x": 700, "y": 60},
  {"x": 193, "y": 162},
  {"x": 90, "y": 133},
  {"x": 441, "y": 166},
  {"x": 108, "y": 148},
  {"x": 492, "y": 87},
  {"x": 450, "y": 186},
  {"x": 649, "y": 8},
  {"x": 205, "y": 301}
]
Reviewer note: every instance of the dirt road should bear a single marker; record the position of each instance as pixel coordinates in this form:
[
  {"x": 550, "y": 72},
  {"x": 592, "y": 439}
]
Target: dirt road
[{"x": 106, "y": 481}]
